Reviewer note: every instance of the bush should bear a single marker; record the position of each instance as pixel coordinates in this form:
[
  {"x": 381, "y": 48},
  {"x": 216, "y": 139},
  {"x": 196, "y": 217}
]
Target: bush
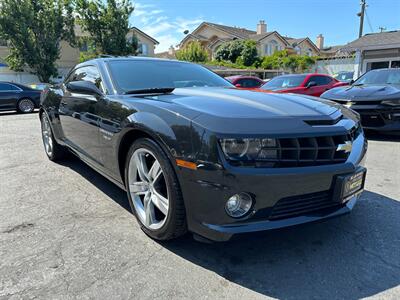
[
  {"x": 238, "y": 52},
  {"x": 193, "y": 52},
  {"x": 290, "y": 62}
]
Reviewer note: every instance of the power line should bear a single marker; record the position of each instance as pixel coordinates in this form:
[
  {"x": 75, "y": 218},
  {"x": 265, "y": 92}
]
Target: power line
[{"x": 369, "y": 22}]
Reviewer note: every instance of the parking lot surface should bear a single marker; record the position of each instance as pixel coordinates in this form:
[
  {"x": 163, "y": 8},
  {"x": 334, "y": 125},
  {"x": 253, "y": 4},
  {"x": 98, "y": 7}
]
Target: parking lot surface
[{"x": 66, "y": 232}]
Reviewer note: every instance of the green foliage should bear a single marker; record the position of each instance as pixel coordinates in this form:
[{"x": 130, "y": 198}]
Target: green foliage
[
  {"x": 193, "y": 52},
  {"x": 238, "y": 51},
  {"x": 34, "y": 29},
  {"x": 291, "y": 62},
  {"x": 108, "y": 24}
]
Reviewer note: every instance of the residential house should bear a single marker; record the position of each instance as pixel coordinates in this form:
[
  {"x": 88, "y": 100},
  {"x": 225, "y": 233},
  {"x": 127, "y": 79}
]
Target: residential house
[
  {"x": 375, "y": 51},
  {"x": 212, "y": 35}
]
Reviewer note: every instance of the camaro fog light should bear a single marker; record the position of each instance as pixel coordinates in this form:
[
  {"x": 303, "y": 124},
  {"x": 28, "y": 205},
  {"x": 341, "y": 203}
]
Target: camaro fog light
[{"x": 238, "y": 205}]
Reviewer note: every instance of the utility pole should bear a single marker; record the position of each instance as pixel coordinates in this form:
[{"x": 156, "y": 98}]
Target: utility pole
[{"x": 361, "y": 15}]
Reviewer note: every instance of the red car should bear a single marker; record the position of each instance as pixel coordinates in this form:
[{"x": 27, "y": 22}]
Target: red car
[
  {"x": 307, "y": 84},
  {"x": 246, "y": 82}
]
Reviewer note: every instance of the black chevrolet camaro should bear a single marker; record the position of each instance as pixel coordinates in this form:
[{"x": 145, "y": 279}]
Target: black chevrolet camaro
[
  {"x": 14, "y": 96},
  {"x": 195, "y": 154},
  {"x": 375, "y": 96}
]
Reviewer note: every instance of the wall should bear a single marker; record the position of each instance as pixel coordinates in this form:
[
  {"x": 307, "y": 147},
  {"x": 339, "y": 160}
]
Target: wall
[{"x": 335, "y": 65}]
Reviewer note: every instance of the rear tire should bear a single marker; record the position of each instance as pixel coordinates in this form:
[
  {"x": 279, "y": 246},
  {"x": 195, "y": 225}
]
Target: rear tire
[
  {"x": 54, "y": 151},
  {"x": 153, "y": 191},
  {"x": 25, "y": 106}
]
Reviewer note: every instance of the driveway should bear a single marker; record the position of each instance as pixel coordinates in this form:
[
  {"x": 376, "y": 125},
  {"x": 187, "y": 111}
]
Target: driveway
[{"x": 66, "y": 232}]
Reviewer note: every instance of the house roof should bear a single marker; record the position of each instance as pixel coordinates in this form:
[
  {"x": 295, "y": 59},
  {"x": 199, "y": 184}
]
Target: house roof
[
  {"x": 237, "y": 31},
  {"x": 145, "y": 34},
  {"x": 375, "y": 39}
]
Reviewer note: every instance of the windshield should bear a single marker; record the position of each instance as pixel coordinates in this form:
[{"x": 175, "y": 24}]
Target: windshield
[
  {"x": 284, "y": 82},
  {"x": 130, "y": 75},
  {"x": 344, "y": 76},
  {"x": 388, "y": 76}
]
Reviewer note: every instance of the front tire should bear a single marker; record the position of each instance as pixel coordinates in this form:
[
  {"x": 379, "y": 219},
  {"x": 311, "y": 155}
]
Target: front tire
[
  {"x": 25, "y": 106},
  {"x": 153, "y": 191},
  {"x": 54, "y": 151}
]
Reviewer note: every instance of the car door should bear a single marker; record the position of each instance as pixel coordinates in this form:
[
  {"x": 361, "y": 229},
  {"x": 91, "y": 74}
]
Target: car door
[
  {"x": 9, "y": 95},
  {"x": 321, "y": 84},
  {"x": 79, "y": 114}
]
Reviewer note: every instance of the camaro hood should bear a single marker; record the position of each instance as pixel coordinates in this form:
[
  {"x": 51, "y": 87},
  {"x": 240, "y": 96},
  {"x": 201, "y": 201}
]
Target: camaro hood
[
  {"x": 233, "y": 103},
  {"x": 228, "y": 110},
  {"x": 365, "y": 92}
]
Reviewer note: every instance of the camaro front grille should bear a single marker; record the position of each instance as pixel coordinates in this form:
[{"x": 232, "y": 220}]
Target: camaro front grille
[
  {"x": 301, "y": 205},
  {"x": 307, "y": 151}
]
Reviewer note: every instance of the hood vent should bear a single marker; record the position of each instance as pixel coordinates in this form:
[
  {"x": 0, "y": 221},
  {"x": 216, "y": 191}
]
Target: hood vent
[{"x": 323, "y": 122}]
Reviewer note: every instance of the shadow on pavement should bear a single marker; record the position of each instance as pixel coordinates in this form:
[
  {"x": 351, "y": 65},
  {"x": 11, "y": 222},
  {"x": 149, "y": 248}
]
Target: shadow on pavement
[
  {"x": 350, "y": 257},
  {"x": 376, "y": 136}
]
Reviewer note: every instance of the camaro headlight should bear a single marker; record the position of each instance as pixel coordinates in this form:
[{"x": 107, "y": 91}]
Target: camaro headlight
[
  {"x": 394, "y": 102},
  {"x": 249, "y": 148}
]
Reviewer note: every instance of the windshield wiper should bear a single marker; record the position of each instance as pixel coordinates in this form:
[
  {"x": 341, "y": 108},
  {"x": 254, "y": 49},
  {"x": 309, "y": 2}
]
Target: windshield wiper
[
  {"x": 166, "y": 90},
  {"x": 357, "y": 84}
]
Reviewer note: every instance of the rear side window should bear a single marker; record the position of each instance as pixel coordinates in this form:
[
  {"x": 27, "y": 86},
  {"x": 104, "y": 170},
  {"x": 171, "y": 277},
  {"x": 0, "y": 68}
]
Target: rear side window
[
  {"x": 8, "y": 87},
  {"x": 320, "y": 80},
  {"x": 248, "y": 83}
]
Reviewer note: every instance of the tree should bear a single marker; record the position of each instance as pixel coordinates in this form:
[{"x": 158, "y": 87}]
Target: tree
[
  {"x": 193, "y": 52},
  {"x": 34, "y": 30},
  {"x": 107, "y": 22},
  {"x": 238, "y": 51}
]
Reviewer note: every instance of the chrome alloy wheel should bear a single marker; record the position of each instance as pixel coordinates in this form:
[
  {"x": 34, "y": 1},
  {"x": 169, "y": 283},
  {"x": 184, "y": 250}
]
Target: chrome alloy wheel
[
  {"x": 47, "y": 136},
  {"x": 26, "y": 106},
  {"x": 148, "y": 189}
]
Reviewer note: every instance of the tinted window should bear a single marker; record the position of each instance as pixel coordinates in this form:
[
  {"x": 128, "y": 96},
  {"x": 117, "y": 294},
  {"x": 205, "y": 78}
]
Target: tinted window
[
  {"x": 89, "y": 73},
  {"x": 320, "y": 80},
  {"x": 248, "y": 82},
  {"x": 8, "y": 87},
  {"x": 380, "y": 77},
  {"x": 284, "y": 82},
  {"x": 131, "y": 75}
]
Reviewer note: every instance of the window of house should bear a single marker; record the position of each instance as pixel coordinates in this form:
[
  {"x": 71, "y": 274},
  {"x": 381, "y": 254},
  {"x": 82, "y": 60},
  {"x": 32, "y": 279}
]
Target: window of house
[
  {"x": 3, "y": 43},
  {"x": 143, "y": 49},
  {"x": 309, "y": 52},
  {"x": 298, "y": 50},
  {"x": 271, "y": 47}
]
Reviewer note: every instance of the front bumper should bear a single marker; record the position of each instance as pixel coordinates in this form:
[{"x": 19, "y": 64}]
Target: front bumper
[
  {"x": 381, "y": 118},
  {"x": 207, "y": 189}
]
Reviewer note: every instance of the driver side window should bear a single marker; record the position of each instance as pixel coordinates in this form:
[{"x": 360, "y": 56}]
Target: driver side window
[{"x": 88, "y": 73}]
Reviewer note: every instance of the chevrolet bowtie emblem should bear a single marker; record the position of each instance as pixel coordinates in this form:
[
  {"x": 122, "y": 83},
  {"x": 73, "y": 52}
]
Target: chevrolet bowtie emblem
[{"x": 346, "y": 147}]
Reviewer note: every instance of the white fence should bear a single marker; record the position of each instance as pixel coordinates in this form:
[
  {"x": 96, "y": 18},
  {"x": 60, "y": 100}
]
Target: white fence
[
  {"x": 334, "y": 65},
  {"x": 26, "y": 78}
]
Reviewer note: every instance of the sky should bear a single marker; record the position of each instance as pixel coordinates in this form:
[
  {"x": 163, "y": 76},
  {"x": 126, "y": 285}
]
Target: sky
[{"x": 337, "y": 20}]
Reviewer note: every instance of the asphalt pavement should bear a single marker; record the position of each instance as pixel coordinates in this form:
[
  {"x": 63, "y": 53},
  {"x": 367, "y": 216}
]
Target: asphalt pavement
[{"x": 66, "y": 232}]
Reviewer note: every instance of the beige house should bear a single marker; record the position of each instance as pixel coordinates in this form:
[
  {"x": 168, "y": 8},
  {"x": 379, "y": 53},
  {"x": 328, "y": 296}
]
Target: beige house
[
  {"x": 69, "y": 56},
  {"x": 212, "y": 35}
]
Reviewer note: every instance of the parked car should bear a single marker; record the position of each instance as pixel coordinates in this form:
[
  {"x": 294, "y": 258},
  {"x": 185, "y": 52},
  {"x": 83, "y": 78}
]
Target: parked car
[
  {"x": 15, "y": 96},
  {"x": 208, "y": 158},
  {"x": 306, "y": 84},
  {"x": 344, "y": 76},
  {"x": 375, "y": 96},
  {"x": 245, "y": 81}
]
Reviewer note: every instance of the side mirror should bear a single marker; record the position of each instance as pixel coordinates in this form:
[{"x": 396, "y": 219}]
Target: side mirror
[
  {"x": 311, "y": 84},
  {"x": 83, "y": 87},
  {"x": 238, "y": 85}
]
